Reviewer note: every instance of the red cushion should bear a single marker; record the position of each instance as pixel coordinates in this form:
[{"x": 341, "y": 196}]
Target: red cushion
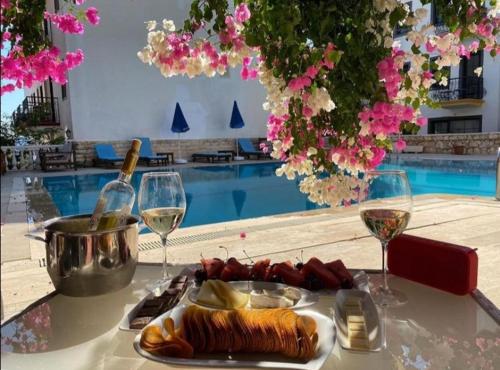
[{"x": 445, "y": 266}]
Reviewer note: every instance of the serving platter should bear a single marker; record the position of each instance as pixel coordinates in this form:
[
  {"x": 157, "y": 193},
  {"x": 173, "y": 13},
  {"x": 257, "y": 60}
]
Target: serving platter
[
  {"x": 370, "y": 312},
  {"x": 326, "y": 341},
  {"x": 127, "y": 318},
  {"x": 307, "y": 298}
]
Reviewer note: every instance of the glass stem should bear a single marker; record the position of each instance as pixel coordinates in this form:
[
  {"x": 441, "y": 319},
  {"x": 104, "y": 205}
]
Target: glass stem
[
  {"x": 164, "y": 245},
  {"x": 384, "y": 264}
]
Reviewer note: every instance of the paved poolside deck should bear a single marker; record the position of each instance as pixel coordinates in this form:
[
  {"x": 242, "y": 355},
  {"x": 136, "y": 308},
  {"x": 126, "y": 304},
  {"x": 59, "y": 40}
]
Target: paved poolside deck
[{"x": 326, "y": 233}]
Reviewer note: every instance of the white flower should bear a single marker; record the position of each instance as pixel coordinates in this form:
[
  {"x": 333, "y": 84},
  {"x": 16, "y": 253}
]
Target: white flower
[
  {"x": 312, "y": 151},
  {"x": 150, "y": 25},
  {"x": 421, "y": 13},
  {"x": 443, "y": 81},
  {"x": 478, "y": 71},
  {"x": 168, "y": 25}
]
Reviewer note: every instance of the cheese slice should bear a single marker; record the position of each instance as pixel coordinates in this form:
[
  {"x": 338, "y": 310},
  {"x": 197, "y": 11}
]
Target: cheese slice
[{"x": 207, "y": 295}]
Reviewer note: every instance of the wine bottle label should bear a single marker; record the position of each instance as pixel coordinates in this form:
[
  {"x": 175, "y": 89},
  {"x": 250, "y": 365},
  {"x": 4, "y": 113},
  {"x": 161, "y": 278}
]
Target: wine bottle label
[{"x": 96, "y": 216}]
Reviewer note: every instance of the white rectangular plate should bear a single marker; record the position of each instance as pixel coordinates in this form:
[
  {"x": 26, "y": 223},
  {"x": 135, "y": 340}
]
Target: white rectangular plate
[
  {"x": 326, "y": 341},
  {"x": 371, "y": 316}
]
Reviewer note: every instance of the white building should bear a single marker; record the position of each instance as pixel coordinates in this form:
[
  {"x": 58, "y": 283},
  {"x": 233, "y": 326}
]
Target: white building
[{"x": 114, "y": 96}]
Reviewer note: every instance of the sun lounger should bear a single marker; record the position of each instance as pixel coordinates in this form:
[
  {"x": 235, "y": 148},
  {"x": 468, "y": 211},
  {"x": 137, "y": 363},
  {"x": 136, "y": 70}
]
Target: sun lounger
[
  {"x": 106, "y": 155},
  {"x": 248, "y": 149},
  {"x": 212, "y": 156},
  {"x": 147, "y": 155},
  {"x": 56, "y": 160}
]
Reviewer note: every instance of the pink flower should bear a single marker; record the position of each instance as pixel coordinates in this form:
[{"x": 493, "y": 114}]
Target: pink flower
[
  {"x": 92, "y": 15},
  {"x": 427, "y": 75},
  {"x": 307, "y": 111},
  {"x": 421, "y": 121},
  {"x": 400, "y": 144},
  {"x": 429, "y": 47},
  {"x": 311, "y": 72},
  {"x": 67, "y": 23},
  {"x": 244, "y": 73},
  {"x": 7, "y": 88},
  {"x": 242, "y": 13},
  {"x": 299, "y": 83},
  {"x": 264, "y": 147},
  {"x": 74, "y": 59}
]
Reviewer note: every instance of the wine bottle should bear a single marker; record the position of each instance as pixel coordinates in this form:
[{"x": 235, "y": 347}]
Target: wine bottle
[{"x": 117, "y": 197}]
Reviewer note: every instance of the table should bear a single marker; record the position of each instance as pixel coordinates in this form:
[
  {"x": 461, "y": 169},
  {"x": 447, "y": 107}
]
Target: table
[
  {"x": 439, "y": 329},
  {"x": 169, "y": 157}
]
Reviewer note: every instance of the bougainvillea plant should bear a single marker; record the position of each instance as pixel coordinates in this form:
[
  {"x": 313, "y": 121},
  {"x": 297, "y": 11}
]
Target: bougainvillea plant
[
  {"x": 336, "y": 90},
  {"x": 31, "y": 58}
]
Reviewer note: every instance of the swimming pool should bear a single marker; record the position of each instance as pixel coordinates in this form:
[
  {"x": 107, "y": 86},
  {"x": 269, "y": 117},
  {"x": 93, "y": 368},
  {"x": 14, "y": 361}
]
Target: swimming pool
[{"x": 233, "y": 192}]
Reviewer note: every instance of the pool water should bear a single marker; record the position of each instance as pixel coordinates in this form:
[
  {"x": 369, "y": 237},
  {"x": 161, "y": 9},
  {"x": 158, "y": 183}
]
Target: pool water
[{"x": 234, "y": 192}]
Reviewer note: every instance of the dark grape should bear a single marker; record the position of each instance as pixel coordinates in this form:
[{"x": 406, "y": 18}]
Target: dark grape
[
  {"x": 276, "y": 279},
  {"x": 200, "y": 276}
]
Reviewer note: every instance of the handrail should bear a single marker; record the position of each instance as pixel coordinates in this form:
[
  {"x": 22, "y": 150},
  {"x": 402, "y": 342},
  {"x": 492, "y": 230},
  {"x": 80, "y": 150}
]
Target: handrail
[
  {"x": 498, "y": 175},
  {"x": 25, "y": 157},
  {"x": 468, "y": 87}
]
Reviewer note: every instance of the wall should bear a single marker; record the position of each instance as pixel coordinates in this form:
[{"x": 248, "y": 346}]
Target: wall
[
  {"x": 116, "y": 97},
  {"x": 480, "y": 143},
  {"x": 85, "y": 152}
]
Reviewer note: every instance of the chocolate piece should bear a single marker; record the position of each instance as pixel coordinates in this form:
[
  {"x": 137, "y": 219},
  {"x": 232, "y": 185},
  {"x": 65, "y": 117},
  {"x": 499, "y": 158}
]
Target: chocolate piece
[
  {"x": 153, "y": 302},
  {"x": 149, "y": 311},
  {"x": 140, "y": 322},
  {"x": 171, "y": 292},
  {"x": 179, "y": 279},
  {"x": 156, "y": 306}
]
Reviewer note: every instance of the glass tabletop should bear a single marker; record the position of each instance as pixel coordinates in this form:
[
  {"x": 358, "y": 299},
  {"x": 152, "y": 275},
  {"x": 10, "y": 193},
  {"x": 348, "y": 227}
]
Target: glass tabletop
[{"x": 434, "y": 330}]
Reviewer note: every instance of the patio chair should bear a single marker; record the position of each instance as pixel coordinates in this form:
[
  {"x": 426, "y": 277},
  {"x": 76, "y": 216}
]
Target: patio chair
[
  {"x": 248, "y": 149},
  {"x": 212, "y": 156},
  {"x": 147, "y": 155},
  {"x": 106, "y": 155},
  {"x": 57, "y": 160}
]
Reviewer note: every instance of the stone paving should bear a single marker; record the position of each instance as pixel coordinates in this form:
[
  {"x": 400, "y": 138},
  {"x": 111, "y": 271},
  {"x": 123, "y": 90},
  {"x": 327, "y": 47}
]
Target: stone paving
[{"x": 326, "y": 233}]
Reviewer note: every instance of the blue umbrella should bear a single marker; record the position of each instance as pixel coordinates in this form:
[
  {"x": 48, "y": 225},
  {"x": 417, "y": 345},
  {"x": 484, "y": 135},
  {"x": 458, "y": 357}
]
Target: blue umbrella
[
  {"x": 236, "y": 122},
  {"x": 179, "y": 125}
]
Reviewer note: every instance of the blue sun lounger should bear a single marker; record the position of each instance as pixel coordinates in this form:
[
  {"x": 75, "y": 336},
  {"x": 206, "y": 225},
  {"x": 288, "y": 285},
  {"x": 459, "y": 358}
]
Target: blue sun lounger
[
  {"x": 248, "y": 149},
  {"x": 147, "y": 155},
  {"x": 106, "y": 155}
]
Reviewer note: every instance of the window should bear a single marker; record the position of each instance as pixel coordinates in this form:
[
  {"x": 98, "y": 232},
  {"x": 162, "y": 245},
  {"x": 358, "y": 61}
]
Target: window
[
  {"x": 436, "y": 20},
  {"x": 455, "y": 125},
  {"x": 64, "y": 91},
  {"x": 56, "y": 6},
  {"x": 402, "y": 30}
]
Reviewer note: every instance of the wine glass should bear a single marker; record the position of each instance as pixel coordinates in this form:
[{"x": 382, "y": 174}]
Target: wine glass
[
  {"x": 385, "y": 207},
  {"x": 162, "y": 204}
]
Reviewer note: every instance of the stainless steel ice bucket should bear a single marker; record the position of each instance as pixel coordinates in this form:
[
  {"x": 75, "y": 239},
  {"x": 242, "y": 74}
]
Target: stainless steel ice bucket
[{"x": 82, "y": 263}]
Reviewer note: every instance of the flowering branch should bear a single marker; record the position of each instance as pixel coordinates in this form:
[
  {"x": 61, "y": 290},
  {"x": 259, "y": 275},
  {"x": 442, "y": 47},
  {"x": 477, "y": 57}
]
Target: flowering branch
[
  {"x": 336, "y": 89},
  {"x": 31, "y": 59}
]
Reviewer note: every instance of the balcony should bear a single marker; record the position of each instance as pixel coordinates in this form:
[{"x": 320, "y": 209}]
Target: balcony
[
  {"x": 37, "y": 111},
  {"x": 460, "y": 92}
]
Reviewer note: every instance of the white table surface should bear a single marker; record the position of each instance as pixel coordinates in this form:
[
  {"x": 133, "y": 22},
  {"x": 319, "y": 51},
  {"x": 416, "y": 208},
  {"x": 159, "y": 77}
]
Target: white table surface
[{"x": 434, "y": 330}]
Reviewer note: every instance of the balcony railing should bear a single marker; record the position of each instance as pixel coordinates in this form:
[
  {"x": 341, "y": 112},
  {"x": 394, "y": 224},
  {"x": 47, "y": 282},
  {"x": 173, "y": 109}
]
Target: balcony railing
[
  {"x": 37, "y": 111},
  {"x": 470, "y": 87}
]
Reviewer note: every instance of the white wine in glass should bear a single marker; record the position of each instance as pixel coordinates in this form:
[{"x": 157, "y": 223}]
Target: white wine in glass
[
  {"x": 162, "y": 204},
  {"x": 385, "y": 207}
]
